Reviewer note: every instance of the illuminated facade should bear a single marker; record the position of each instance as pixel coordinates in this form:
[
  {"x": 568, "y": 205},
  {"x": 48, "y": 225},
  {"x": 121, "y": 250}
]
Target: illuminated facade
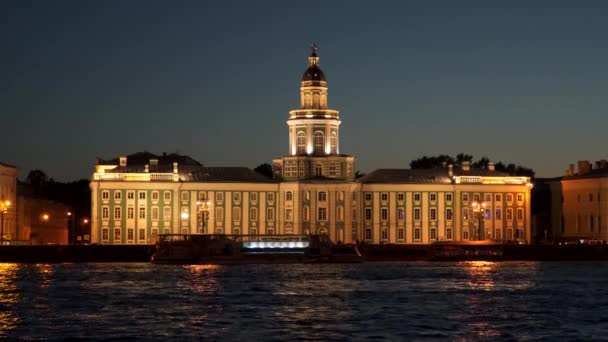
[
  {"x": 313, "y": 190},
  {"x": 8, "y": 192}
]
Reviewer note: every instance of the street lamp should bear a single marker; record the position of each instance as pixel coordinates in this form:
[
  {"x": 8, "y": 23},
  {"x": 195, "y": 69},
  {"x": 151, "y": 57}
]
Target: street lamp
[
  {"x": 203, "y": 210},
  {"x": 479, "y": 212},
  {"x": 4, "y": 205},
  {"x": 72, "y": 217}
]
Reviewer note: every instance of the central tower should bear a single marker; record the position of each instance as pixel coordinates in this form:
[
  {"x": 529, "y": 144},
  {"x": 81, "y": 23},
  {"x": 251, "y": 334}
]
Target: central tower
[{"x": 314, "y": 138}]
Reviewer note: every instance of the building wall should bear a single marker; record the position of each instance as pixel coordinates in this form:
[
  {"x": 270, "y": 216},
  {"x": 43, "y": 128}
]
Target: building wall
[
  {"x": 8, "y": 191},
  {"x": 584, "y": 208}
]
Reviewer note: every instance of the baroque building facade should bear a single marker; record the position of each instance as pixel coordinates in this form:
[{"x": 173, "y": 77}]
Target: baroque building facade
[{"x": 313, "y": 190}]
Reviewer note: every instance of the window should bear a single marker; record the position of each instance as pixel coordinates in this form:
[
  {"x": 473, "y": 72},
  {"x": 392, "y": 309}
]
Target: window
[
  {"x": 319, "y": 142},
  {"x": 130, "y": 213},
  {"x": 236, "y": 213},
  {"x": 130, "y": 234},
  {"x": 520, "y": 214},
  {"x": 301, "y": 169},
  {"x": 219, "y": 214},
  {"x": 448, "y": 197},
  {"x": 154, "y": 233},
  {"x": 117, "y": 195},
  {"x": 417, "y": 234},
  {"x": 384, "y": 233},
  {"x": 498, "y": 235},
  {"x": 497, "y": 198},
  {"x": 333, "y": 169},
  {"x": 400, "y": 197},
  {"x": 509, "y": 197},
  {"x": 368, "y": 234},
  {"x": 322, "y": 214},
  {"x": 465, "y": 197},
  {"x": 498, "y": 214},
  {"x": 318, "y": 170},
  {"x": 130, "y": 195},
  {"x": 487, "y": 197},
  {"x": 384, "y": 197},
  {"x": 400, "y": 234},
  {"x": 368, "y": 214},
  {"x": 105, "y": 235},
  {"x": 416, "y": 197},
  {"x": 155, "y": 213},
  {"x": 307, "y": 195},
  {"x": 167, "y": 213},
  {"x": 155, "y": 195},
  {"x": 142, "y": 235},
  {"x": 340, "y": 213},
  {"x": 384, "y": 214},
  {"x": 142, "y": 195},
  {"x": 219, "y": 196},
  {"x": 117, "y": 213},
  {"x": 476, "y": 197},
  {"x": 301, "y": 142},
  {"x": 184, "y": 195},
  {"x": 433, "y": 234},
  {"x": 591, "y": 223},
  {"x": 142, "y": 212},
  {"x": 417, "y": 214},
  {"x": 254, "y": 196},
  {"x": 236, "y": 196},
  {"x": 322, "y": 196},
  {"x": 288, "y": 196},
  {"x": 465, "y": 214},
  {"x": 488, "y": 214},
  {"x": 433, "y": 214},
  {"x": 105, "y": 195},
  {"x": 167, "y": 195},
  {"x": 448, "y": 214},
  {"x": 253, "y": 214},
  {"x": 509, "y": 214},
  {"x": 105, "y": 213},
  {"x": 288, "y": 215},
  {"x": 400, "y": 214},
  {"x": 116, "y": 235},
  {"x": 334, "y": 142},
  {"x": 368, "y": 196},
  {"x": 354, "y": 214},
  {"x": 270, "y": 214},
  {"x": 465, "y": 234},
  {"x": 448, "y": 233},
  {"x": 340, "y": 196},
  {"x": 433, "y": 197},
  {"x": 306, "y": 214},
  {"x": 270, "y": 197},
  {"x": 509, "y": 234},
  {"x": 520, "y": 197}
]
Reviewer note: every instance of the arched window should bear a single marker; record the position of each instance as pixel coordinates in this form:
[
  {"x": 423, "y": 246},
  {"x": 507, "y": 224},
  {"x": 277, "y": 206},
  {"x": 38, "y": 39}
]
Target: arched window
[
  {"x": 319, "y": 142},
  {"x": 301, "y": 143},
  {"x": 334, "y": 142},
  {"x": 340, "y": 213}
]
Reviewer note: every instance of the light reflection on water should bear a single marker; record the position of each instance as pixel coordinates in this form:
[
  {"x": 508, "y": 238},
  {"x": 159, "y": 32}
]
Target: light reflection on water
[{"x": 385, "y": 301}]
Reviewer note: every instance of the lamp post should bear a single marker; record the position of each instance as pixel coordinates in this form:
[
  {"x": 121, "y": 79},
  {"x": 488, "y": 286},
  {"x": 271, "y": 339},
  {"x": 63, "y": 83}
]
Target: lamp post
[
  {"x": 203, "y": 210},
  {"x": 85, "y": 222},
  {"x": 479, "y": 211},
  {"x": 4, "y": 205},
  {"x": 72, "y": 217}
]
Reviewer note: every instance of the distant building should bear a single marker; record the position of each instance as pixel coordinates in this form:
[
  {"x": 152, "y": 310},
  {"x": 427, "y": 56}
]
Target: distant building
[
  {"x": 41, "y": 222},
  {"x": 8, "y": 192},
  {"x": 314, "y": 190},
  {"x": 579, "y": 202}
]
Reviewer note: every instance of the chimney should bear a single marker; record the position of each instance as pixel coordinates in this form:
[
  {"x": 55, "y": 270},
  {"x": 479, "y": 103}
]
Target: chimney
[
  {"x": 584, "y": 167},
  {"x": 146, "y": 168},
  {"x": 451, "y": 170},
  {"x": 154, "y": 164},
  {"x": 466, "y": 166},
  {"x": 123, "y": 161},
  {"x": 174, "y": 167},
  {"x": 491, "y": 166}
]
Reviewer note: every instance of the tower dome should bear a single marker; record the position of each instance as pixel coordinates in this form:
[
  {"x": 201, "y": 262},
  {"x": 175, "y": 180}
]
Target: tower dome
[{"x": 313, "y": 72}]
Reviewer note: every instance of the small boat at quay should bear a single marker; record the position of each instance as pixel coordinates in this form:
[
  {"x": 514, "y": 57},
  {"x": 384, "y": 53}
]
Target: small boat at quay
[{"x": 251, "y": 249}]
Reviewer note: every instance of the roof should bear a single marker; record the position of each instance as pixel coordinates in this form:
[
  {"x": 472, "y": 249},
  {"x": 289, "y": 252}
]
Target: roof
[
  {"x": 594, "y": 173},
  {"x": 435, "y": 175},
  {"x": 313, "y": 73},
  {"x": 7, "y": 165},
  {"x": 228, "y": 174},
  {"x": 142, "y": 158}
]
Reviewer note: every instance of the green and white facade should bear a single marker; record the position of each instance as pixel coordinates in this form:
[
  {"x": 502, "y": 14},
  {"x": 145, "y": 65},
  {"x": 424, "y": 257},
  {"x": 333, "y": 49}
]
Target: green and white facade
[{"x": 313, "y": 190}]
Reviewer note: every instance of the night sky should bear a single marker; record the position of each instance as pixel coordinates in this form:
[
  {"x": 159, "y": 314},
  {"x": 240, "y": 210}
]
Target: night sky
[{"x": 520, "y": 82}]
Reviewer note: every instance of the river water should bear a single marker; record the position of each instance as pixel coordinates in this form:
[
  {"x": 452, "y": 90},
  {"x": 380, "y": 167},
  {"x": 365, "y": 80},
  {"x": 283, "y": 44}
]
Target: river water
[{"x": 371, "y": 301}]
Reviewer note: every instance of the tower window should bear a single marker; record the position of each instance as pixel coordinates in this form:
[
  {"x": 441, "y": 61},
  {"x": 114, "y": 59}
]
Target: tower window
[
  {"x": 301, "y": 142},
  {"x": 319, "y": 142},
  {"x": 334, "y": 142}
]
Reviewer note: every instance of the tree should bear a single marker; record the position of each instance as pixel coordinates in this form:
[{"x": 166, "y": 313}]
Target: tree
[
  {"x": 37, "y": 179},
  {"x": 264, "y": 169},
  {"x": 442, "y": 160}
]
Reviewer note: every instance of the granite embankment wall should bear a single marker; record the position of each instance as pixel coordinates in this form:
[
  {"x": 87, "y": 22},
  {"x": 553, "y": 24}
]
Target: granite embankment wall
[{"x": 76, "y": 253}]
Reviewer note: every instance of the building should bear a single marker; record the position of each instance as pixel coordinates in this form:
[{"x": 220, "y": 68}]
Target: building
[
  {"x": 8, "y": 200},
  {"x": 579, "y": 203},
  {"x": 314, "y": 190}
]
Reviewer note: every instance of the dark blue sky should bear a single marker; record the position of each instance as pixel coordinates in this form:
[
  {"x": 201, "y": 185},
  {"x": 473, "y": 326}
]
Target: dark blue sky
[{"x": 519, "y": 81}]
